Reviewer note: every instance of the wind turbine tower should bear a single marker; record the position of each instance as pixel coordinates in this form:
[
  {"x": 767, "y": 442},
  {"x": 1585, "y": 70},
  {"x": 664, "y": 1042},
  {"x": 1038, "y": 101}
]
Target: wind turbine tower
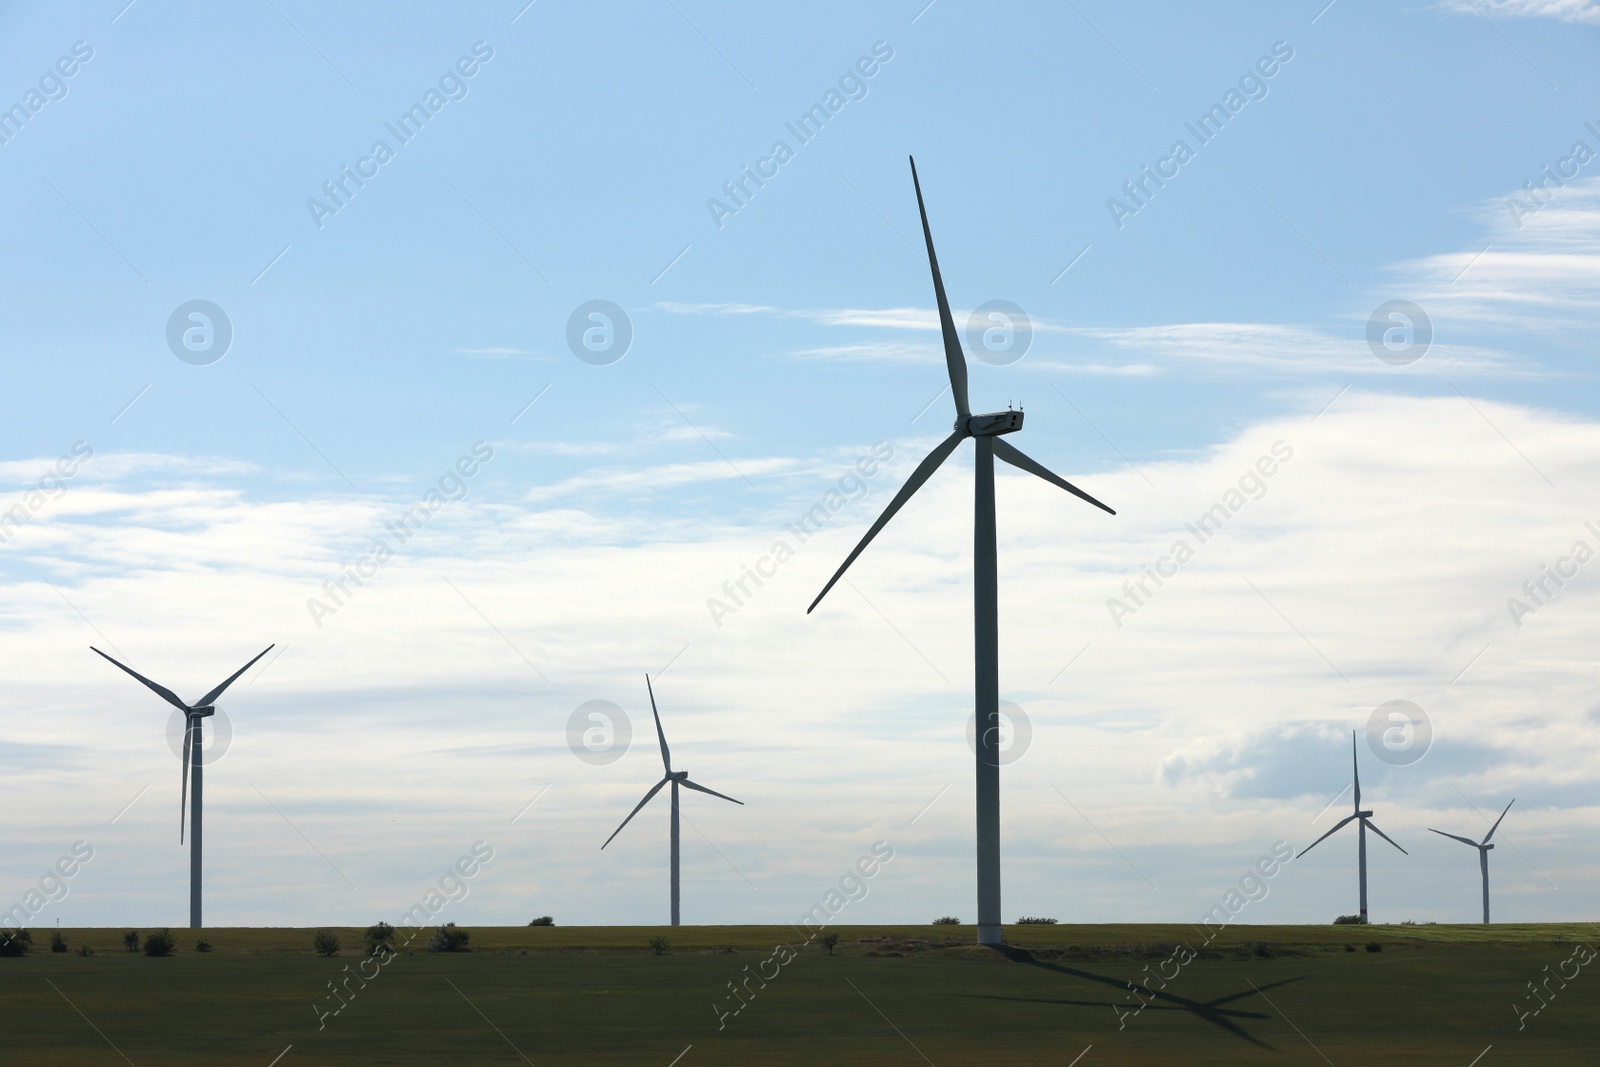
[
  {"x": 194, "y": 716},
  {"x": 1364, "y": 819},
  {"x": 675, "y": 779},
  {"x": 1483, "y": 848},
  {"x": 986, "y": 433}
]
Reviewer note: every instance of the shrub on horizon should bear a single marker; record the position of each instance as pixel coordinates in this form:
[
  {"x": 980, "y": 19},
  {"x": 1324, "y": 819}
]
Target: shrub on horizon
[
  {"x": 15, "y": 943},
  {"x": 448, "y": 938},
  {"x": 160, "y": 943}
]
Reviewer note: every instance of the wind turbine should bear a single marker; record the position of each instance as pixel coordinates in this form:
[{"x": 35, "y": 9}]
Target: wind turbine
[
  {"x": 676, "y": 778},
  {"x": 193, "y": 717},
  {"x": 985, "y": 431},
  {"x": 1365, "y": 818},
  {"x": 1483, "y": 848}
]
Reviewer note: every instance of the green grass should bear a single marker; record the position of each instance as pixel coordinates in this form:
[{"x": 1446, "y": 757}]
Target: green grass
[{"x": 597, "y": 995}]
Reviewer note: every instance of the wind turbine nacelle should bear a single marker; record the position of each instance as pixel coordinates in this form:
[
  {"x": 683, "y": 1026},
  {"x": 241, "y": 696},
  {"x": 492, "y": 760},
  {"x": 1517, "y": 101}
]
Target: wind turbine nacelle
[{"x": 995, "y": 424}]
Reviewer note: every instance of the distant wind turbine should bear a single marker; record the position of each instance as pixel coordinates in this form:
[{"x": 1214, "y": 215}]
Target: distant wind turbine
[
  {"x": 1483, "y": 848},
  {"x": 985, "y": 431},
  {"x": 1366, "y": 822},
  {"x": 676, "y": 778},
  {"x": 193, "y": 716}
]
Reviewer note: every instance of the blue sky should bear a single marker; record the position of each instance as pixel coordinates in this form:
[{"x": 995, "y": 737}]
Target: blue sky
[{"x": 771, "y": 348}]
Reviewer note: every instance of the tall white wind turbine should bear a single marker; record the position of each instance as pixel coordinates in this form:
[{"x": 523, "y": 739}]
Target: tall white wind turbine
[
  {"x": 1483, "y": 848},
  {"x": 1365, "y": 820},
  {"x": 986, "y": 432},
  {"x": 676, "y": 778},
  {"x": 194, "y": 716}
]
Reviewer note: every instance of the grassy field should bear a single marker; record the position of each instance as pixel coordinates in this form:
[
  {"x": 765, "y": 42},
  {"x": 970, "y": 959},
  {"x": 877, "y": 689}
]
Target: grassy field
[{"x": 910, "y": 995}]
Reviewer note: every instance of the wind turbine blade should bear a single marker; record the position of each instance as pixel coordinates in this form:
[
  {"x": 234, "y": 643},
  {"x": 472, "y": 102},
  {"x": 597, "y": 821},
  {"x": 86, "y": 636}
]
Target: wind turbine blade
[
  {"x": 955, "y": 361},
  {"x": 635, "y": 811},
  {"x": 691, "y": 785},
  {"x": 162, "y": 691},
  {"x": 1336, "y": 828},
  {"x": 1356, "y": 769},
  {"x": 1453, "y": 837},
  {"x": 234, "y": 677},
  {"x": 918, "y": 477},
  {"x": 1374, "y": 828},
  {"x": 183, "y": 803},
  {"x": 666, "y": 753},
  {"x": 1014, "y": 456},
  {"x": 1496, "y": 825}
]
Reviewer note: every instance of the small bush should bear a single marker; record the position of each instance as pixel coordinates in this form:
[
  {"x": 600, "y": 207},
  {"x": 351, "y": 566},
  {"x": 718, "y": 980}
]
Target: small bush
[
  {"x": 85, "y": 950},
  {"x": 202, "y": 945},
  {"x": 947, "y": 920},
  {"x": 325, "y": 943},
  {"x": 829, "y": 940},
  {"x": 380, "y": 938},
  {"x": 1373, "y": 946},
  {"x": 1035, "y": 920},
  {"x": 1347, "y": 920},
  {"x": 543, "y": 920},
  {"x": 130, "y": 941},
  {"x": 15, "y": 943},
  {"x": 659, "y": 945},
  {"x": 160, "y": 943},
  {"x": 57, "y": 942},
  {"x": 449, "y": 939}
]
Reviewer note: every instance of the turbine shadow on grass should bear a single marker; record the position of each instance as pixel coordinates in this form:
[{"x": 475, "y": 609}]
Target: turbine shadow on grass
[{"x": 1210, "y": 1011}]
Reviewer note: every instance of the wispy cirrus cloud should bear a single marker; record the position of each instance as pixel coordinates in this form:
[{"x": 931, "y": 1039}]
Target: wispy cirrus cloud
[
  {"x": 1578, "y": 11},
  {"x": 1538, "y": 268}
]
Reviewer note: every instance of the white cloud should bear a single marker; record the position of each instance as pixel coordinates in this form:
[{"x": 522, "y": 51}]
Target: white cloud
[
  {"x": 1536, "y": 271},
  {"x": 1389, "y": 541},
  {"x": 1579, "y": 11}
]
